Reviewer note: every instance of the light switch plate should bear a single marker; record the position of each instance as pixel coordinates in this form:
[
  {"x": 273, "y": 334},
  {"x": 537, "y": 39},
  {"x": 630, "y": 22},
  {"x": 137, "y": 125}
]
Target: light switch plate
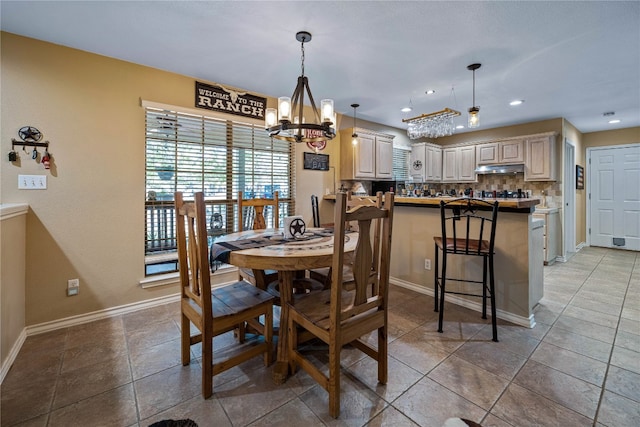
[{"x": 32, "y": 182}]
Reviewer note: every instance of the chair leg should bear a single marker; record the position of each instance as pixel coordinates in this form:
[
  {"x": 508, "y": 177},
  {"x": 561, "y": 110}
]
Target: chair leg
[
  {"x": 185, "y": 334},
  {"x": 207, "y": 365},
  {"x": 435, "y": 280},
  {"x": 493, "y": 299},
  {"x": 292, "y": 343},
  {"x": 268, "y": 335},
  {"x": 382, "y": 355},
  {"x": 334, "y": 381},
  {"x": 484, "y": 287},
  {"x": 442, "y": 289}
]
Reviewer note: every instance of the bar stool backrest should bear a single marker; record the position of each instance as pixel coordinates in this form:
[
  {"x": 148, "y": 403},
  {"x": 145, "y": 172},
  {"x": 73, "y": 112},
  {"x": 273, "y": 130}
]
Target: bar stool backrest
[{"x": 469, "y": 225}]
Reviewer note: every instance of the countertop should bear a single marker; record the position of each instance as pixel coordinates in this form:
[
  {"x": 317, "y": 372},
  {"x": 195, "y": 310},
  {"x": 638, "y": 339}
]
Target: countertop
[{"x": 527, "y": 204}]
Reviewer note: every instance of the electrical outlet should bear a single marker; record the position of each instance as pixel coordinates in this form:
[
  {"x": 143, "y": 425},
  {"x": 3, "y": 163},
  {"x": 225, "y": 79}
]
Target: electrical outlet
[
  {"x": 73, "y": 287},
  {"x": 427, "y": 264},
  {"x": 32, "y": 182}
]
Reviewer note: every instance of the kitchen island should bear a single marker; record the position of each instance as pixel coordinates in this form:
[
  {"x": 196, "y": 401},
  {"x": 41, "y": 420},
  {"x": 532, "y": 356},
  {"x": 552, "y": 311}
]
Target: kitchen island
[{"x": 518, "y": 258}]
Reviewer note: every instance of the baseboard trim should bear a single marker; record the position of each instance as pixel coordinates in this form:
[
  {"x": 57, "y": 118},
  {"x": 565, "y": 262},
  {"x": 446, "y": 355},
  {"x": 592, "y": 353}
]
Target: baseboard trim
[
  {"x": 527, "y": 322},
  {"x": 100, "y": 314},
  {"x": 11, "y": 357}
]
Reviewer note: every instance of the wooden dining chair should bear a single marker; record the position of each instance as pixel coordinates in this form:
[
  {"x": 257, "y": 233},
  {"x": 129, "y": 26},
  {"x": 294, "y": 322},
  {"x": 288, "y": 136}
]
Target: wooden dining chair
[
  {"x": 255, "y": 209},
  {"x": 323, "y": 275},
  {"x": 315, "y": 212},
  {"x": 215, "y": 311},
  {"x": 338, "y": 316}
]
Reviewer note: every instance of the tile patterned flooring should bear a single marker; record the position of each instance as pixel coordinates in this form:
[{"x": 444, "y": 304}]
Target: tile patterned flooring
[{"x": 580, "y": 366}]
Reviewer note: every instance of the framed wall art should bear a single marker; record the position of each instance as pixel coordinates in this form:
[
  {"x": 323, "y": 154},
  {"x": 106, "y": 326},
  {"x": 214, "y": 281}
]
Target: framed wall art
[{"x": 579, "y": 177}]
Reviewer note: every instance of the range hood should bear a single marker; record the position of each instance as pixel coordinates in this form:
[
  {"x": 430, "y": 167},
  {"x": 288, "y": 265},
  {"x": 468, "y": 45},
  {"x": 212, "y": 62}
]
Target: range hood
[{"x": 500, "y": 169}]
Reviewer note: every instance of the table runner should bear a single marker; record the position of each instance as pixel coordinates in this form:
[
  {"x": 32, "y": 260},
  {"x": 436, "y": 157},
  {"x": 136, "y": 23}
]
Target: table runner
[{"x": 220, "y": 252}]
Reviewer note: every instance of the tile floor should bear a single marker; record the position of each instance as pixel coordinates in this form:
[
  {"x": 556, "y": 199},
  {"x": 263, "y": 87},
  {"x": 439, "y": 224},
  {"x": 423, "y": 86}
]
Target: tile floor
[{"x": 580, "y": 366}]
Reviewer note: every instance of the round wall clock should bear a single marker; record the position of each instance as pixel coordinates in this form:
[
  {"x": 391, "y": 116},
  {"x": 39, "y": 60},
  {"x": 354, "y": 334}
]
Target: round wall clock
[
  {"x": 417, "y": 165},
  {"x": 317, "y": 145}
]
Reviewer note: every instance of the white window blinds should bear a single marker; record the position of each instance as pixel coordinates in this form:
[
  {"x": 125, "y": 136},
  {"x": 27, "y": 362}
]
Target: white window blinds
[{"x": 401, "y": 163}]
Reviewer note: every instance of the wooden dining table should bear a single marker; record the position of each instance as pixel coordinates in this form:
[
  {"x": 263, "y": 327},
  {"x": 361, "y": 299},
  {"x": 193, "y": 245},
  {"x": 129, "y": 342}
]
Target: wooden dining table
[{"x": 287, "y": 256}]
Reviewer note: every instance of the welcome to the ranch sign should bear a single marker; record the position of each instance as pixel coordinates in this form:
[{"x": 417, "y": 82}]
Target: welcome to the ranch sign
[{"x": 217, "y": 98}]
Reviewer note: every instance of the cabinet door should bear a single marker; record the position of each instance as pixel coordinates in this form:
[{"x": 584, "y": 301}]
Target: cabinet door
[
  {"x": 365, "y": 157},
  {"x": 511, "y": 152},
  {"x": 467, "y": 164},
  {"x": 434, "y": 164},
  {"x": 540, "y": 165},
  {"x": 419, "y": 164},
  {"x": 487, "y": 154},
  {"x": 384, "y": 157},
  {"x": 449, "y": 165}
]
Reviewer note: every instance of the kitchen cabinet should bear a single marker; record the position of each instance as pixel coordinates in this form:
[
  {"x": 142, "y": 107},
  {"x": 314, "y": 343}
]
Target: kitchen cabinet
[
  {"x": 540, "y": 158},
  {"x": 371, "y": 158},
  {"x": 459, "y": 164},
  {"x": 500, "y": 152},
  {"x": 550, "y": 232},
  {"x": 434, "y": 163},
  {"x": 426, "y": 163},
  {"x": 418, "y": 162}
]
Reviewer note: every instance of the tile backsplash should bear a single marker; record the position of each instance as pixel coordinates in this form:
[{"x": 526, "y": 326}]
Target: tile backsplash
[{"x": 552, "y": 190}]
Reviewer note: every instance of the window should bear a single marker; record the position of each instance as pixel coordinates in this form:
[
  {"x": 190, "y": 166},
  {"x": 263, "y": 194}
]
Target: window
[
  {"x": 190, "y": 153},
  {"x": 401, "y": 163}
]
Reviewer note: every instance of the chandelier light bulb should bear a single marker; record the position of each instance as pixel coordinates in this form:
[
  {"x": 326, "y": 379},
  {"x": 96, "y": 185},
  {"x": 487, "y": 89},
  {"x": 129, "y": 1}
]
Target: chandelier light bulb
[
  {"x": 326, "y": 106},
  {"x": 284, "y": 108},
  {"x": 271, "y": 117}
]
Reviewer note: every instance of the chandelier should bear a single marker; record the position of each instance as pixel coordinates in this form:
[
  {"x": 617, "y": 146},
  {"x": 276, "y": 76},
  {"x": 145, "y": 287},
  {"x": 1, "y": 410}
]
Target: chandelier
[
  {"x": 432, "y": 125},
  {"x": 288, "y": 123}
]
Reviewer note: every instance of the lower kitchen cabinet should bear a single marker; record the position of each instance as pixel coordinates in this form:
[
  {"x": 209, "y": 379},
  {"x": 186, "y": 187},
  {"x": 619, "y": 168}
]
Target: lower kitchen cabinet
[{"x": 550, "y": 233}]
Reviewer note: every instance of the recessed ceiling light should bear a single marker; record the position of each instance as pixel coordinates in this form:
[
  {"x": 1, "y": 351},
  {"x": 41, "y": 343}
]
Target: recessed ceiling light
[
  {"x": 460, "y": 127},
  {"x": 614, "y": 121},
  {"x": 516, "y": 102},
  {"x": 430, "y": 92},
  {"x": 406, "y": 109}
]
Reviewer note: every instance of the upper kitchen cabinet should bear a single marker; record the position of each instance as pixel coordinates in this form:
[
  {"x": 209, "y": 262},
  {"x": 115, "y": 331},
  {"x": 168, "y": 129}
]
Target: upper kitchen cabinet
[
  {"x": 501, "y": 152},
  {"x": 434, "y": 163},
  {"x": 459, "y": 164},
  {"x": 540, "y": 158},
  {"x": 426, "y": 163},
  {"x": 370, "y": 158}
]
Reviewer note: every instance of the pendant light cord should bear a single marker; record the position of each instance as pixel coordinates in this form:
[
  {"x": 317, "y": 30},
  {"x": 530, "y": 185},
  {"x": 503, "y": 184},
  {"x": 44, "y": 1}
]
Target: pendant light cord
[{"x": 302, "y": 56}]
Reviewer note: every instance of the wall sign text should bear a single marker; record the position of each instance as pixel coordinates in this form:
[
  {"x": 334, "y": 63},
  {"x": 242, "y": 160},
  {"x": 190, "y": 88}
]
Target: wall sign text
[{"x": 218, "y": 98}]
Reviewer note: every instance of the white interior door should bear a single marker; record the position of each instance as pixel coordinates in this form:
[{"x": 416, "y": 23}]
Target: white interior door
[{"x": 614, "y": 189}]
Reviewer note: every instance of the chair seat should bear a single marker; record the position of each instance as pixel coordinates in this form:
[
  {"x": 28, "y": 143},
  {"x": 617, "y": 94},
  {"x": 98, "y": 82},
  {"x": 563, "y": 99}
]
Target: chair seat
[
  {"x": 236, "y": 298},
  {"x": 316, "y": 307},
  {"x": 301, "y": 286},
  {"x": 475, "y": 247}
]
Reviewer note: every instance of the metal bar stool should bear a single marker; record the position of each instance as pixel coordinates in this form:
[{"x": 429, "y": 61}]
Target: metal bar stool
[{"x": 468, "y": 229}]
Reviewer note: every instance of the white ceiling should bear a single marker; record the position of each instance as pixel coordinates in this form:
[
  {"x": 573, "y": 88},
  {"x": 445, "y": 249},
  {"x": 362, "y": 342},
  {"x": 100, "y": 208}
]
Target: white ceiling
[{"x": 573, "y": 59}]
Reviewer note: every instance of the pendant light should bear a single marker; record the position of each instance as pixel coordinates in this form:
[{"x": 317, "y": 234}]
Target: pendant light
[
  {"x": 474, "y": 111},
  {"x": 287, "y": 122},
  {"x": 354, "y": 135}
]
